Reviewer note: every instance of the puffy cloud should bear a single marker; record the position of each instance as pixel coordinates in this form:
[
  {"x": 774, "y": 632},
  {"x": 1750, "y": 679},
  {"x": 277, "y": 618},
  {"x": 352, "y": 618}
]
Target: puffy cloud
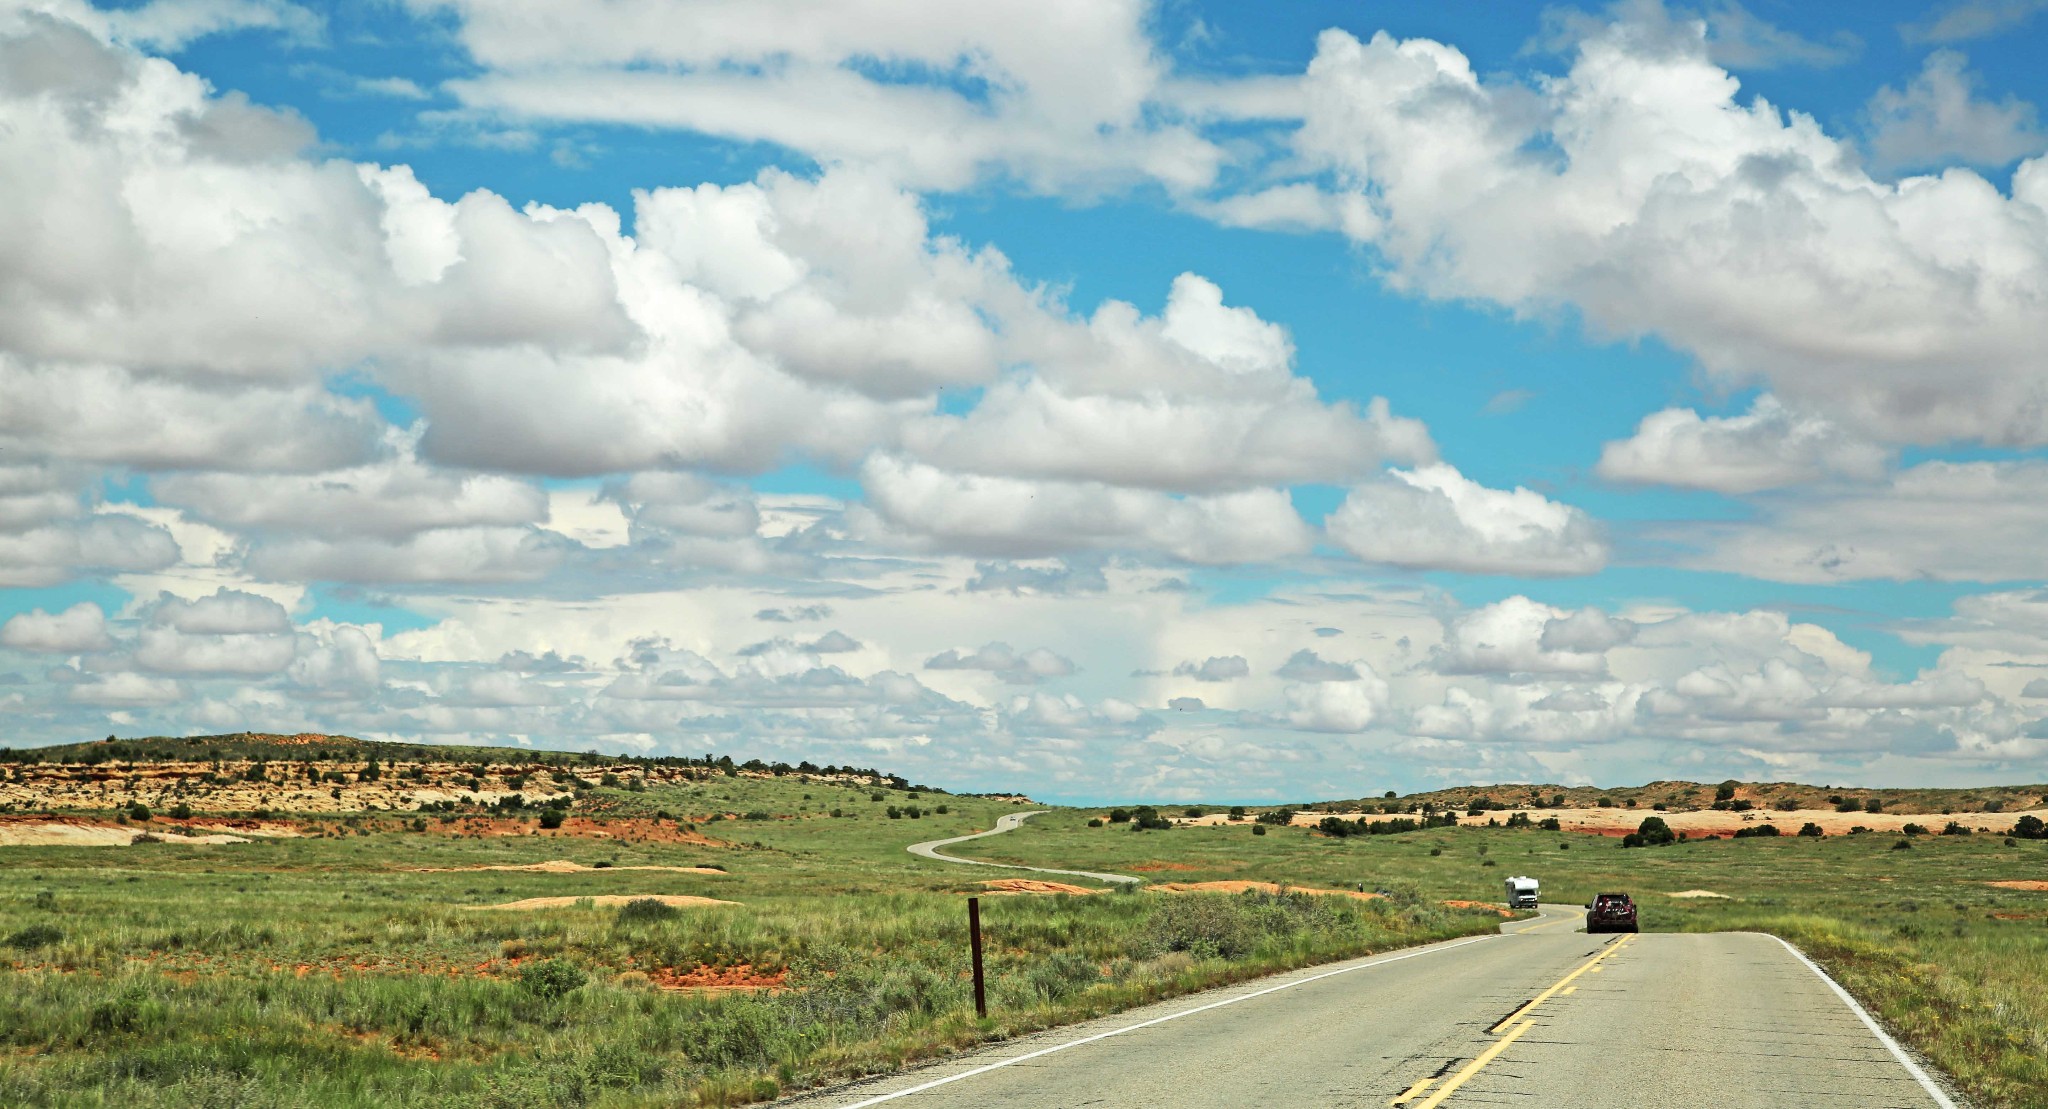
[
  {"x": 336, "y": 661},
  {"x": 1588, "y": 630},
  {"x": 1639, "y": 191},
  {"x": 109, "y": 415},
  {"x": 1062, "y": 101},
  {"x": 475, "y": 554},
  {"x": 1435, "y": 518},
  {"x": 1307, "y": 666},
  {"x": 1903, "y": 530},
  {"x": 1222, "y": 668},
  {"x": 1200, "y": 399},
  {"x": 169, "y": 650},
  {"x": 108, "y": 542},
  {"x": 1016, "y": 518},
  {"x": 229, "y": 632},
  {"x": 226, "y": 612},
  {"x": 82, "y": 627},
  {"x": 125, "y": 687},
  {"x": 2036, "y": 689},
  {"x": 392, "y": 499},
  {"x": 1937, "y": 119},
  {"x": 1521, "y": 636},
  {"x": 1346, "y": 706},
  {"x": 1029, "y": 667},
  {"x": 1767, "y": 447}
]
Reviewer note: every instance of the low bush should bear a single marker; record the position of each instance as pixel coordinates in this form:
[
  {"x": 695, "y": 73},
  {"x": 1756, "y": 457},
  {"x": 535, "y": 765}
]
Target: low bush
[{"x": 552, "y": 979}]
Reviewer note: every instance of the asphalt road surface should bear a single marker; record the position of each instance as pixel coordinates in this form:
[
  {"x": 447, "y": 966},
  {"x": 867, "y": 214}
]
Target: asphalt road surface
[{"x": 1541, "y": 1016}]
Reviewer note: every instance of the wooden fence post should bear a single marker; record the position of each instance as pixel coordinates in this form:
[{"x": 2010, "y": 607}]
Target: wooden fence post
[{"x": 974, "y": 943}]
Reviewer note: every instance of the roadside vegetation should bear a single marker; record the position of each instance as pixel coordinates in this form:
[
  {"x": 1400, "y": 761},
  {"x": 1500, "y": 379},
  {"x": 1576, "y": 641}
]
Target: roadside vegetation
[
  {"x": 1952, "y": 963},
  {"x": 355, "y": 959}
]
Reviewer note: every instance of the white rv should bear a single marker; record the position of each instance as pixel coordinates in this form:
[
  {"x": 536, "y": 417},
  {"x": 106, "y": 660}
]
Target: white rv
[{"x": 1521, "y": 893}]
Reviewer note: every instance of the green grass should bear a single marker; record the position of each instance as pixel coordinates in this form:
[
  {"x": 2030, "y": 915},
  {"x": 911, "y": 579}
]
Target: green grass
[
  {"x": 1955, "y": 966},
  {"x": 337, "y": 970}
]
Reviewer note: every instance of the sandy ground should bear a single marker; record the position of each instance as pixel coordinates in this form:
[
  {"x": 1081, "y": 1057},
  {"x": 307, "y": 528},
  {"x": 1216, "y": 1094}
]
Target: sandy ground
[
  {"x": 1699, "y": 893},
  {"x": 2023, "y": 884},
  {"x": 96, "y": 833},
  {"x": 565, "y": 866},
  {"x": 1033, "y": 885},
  {"x": 1621, "y": 821},
  {"x": 605, "y": 899}
]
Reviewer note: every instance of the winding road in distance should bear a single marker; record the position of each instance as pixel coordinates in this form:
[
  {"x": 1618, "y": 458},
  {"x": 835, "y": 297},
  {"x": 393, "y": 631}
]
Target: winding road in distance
[{"x": 1542, "y": 1016}]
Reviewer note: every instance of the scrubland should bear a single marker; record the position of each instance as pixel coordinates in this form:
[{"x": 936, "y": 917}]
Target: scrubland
[{"x": 358, "y": 958}]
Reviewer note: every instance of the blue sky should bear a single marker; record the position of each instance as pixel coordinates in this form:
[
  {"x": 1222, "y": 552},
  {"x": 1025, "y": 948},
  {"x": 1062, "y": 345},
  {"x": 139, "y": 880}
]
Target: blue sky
[{"x": 1640, "y": 391}]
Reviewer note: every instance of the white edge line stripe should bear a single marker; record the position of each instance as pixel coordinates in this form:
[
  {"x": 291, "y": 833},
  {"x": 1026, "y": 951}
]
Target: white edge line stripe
[
  {"x": 1883, "y": 1037},
  {"x": 880, "y": 1098}
]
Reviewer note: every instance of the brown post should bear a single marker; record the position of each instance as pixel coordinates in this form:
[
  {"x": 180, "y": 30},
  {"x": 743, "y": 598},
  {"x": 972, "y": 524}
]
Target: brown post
[{"x": 974, "y": 943}]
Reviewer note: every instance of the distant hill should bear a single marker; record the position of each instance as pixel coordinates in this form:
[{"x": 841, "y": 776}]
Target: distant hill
[
  {"x": 1680, "y": 796},
  {"x": 317, "y": 747}
]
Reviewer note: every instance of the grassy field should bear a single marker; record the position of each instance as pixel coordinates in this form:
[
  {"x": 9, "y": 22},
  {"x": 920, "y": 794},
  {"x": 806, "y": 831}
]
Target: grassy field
[
  {"x": 358, "y": 964},
  {"x": 1956, "y": 966}
]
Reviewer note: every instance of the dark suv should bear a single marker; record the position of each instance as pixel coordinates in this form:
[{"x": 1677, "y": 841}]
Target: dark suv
[{"x": 1611, "y": 912}]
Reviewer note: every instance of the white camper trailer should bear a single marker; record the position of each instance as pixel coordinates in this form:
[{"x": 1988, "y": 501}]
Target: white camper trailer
[{"x": 1521, "y": 893}]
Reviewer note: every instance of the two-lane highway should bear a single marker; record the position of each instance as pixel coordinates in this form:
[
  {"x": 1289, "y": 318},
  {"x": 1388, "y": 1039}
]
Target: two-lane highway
[{"x": 1542, "y": 1015}]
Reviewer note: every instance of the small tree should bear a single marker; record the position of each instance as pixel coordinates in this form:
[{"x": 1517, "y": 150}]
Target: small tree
[
  {"x": 1726, "y": 790},
  {"x": 1652, "y": 832},
  {"x": 1811, "y": 830},
  {"x": 551, "y": 818},
  {"x": 2029, "y": 827}
]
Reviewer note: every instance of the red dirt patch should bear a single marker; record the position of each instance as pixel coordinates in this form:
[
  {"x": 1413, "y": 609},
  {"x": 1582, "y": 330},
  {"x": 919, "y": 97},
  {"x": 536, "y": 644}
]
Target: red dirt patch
[
  {"x": 2022, "y": 884},
  {"x": 718, "y": 979},
  {"x": 1033, "y": 885}
]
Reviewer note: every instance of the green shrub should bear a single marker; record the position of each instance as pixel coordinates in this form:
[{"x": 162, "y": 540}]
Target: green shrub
[
  {"x": 1258, "y": 829},
  {"x": 551, "y": 818},
  {"x": 35, "y": 937},
  {"x": 1811, "y": 830},
  {"x": 551, "y": 979},
  {"x": 642, "y": 910},
  {"x": 138, "y": 811}
]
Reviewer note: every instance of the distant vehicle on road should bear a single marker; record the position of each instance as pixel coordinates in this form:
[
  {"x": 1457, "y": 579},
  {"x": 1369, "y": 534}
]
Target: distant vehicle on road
[
  {"x": 1521, "y": 893},
  {"x": 1611, "y": 912}
]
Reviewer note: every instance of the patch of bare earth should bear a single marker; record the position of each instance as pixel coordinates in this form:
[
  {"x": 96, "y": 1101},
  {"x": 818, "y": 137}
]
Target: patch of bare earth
[
  {"x": 1241, "y": 885},
  {"x": 719, "y": 979},
  {"x": 1155, "y": 864},
  {"x": 680, "y": 901},
  {"x": 1700, "y": 893},
  {"x": 2023, "y": 884},
  {"x": 1033, "y": 885},
  {"x": 1487, "y": 905},
  {"x": 565, "y": 866}
]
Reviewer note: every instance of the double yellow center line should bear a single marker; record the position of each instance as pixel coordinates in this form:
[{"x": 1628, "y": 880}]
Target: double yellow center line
[{"x": 1510, "y": 1029}]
